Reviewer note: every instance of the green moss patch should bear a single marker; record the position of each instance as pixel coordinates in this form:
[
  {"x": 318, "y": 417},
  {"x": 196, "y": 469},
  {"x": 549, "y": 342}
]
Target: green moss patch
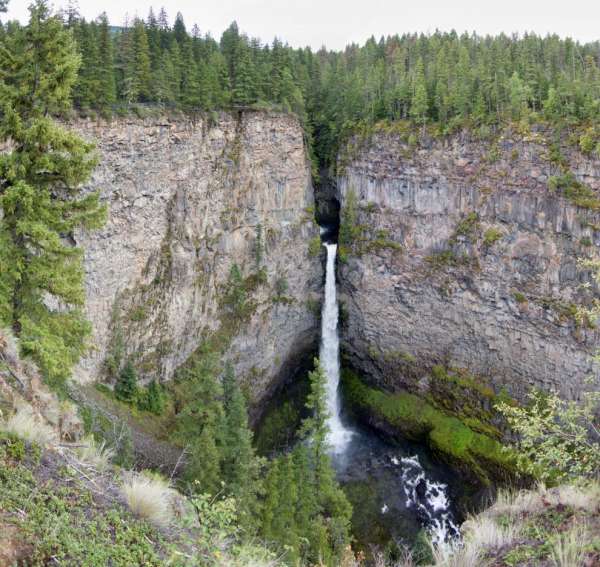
[{"x": 413, "y": 418}]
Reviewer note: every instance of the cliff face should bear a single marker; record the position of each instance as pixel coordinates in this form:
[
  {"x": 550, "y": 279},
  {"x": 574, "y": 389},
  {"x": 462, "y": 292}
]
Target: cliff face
[
  {"x": 465, "y": 256},
  {"x": 187, "y": 202}
]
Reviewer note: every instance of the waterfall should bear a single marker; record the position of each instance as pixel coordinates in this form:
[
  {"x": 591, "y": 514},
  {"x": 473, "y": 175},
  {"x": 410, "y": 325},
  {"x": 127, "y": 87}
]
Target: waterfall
[{"x": 329, "y": 355}]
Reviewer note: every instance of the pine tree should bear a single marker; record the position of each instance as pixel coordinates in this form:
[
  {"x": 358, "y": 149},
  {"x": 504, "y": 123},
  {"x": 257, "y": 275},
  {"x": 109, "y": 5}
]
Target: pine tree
[
  {"x": 153, "y": 399},
  {"x": 240, "y": 465},
  {"x": 333, "y": 535},
  {"x": 419, "y": 103},
  {"x": 190, "y": 80},
  {"x": 126, "y": 388},
  {"x": 41, "y": 276},
  {"x": 179, "y": 30},
  {"x": 244, "y": 86},
  {"x": 200, "y": 425},
  {"x": 518, "y": 96},
  {"x": 106, "y": 77},
  {"x": 140, "y": 68}
]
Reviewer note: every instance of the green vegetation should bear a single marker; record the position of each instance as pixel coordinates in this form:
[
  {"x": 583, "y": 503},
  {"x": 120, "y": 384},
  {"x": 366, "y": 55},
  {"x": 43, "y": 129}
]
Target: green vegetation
[
  {"x": 59, "y": 520},
  {"x": 519, "y": 297},
  {"x": 40, "y": 197},
  {"x": 468, "y": 226},
  {"x": 578, "y": 193},
  {"x": 491, "y": 236},
  {"x": 314, "y": 246},
  {"x": 356, "y": 239},
  {"x": 558, "y": 439},
  {"x": 445, "y": 259},
  {"x": 305, "y": 511},
  {"x": 449, "y": 438}
]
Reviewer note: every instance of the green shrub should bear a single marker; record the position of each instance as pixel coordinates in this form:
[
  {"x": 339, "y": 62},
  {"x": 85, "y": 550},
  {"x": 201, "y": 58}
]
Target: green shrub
[
  {"x": 491, "y": 236},
  {"x": 519, "y": 297},
  {"x": 467, "y": 226},
  {"x": 558, "y": 441},
  {"x": 587, "y": 142},
  {"x": 578, "y": 193}
]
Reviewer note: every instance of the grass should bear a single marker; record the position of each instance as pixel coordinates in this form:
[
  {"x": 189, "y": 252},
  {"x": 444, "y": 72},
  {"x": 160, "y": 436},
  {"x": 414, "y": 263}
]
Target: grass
[
  {"x": 27, "y": 426},
  {"x": 532, "y": 527},
  {"x": 413, "y": 418},
  {"x": 96, "y": 454},
  {"x": 148, "y": 498},
  {"x": 568, "y": 550}
]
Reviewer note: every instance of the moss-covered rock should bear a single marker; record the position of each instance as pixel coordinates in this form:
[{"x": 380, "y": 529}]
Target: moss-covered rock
[{"x": 406, "y": 416}]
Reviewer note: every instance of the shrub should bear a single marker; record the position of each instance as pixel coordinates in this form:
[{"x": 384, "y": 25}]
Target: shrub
[
  {"x": 152, "y": 398},
  {"x": 148, "y": 497},
  {"x": 519, "y": 297},
  {"x": 557, "y": 438},
  {"x": 314, "y": 246},
  {"x": 491, "y": 236},
  {"x": 587, "y": 143}
]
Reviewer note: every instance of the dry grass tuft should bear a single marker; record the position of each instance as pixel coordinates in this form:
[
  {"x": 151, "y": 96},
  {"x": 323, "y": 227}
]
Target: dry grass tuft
[
  {"x": 97, "y": 455},
  {"x": 569, "y": 549},
  {"x": 468, "y": 555},
  {"x": 517, "y": 503},
  {"x": 148, "y": 497},
  {"x": 27, "y": 426},
  {"x": 586, "y": 498}
]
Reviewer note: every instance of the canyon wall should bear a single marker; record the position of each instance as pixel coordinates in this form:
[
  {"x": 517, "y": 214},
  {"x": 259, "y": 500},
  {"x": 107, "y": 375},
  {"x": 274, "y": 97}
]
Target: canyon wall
[
  {"x": 465, "y": 254},
  {"x": 188, "y": 200}
]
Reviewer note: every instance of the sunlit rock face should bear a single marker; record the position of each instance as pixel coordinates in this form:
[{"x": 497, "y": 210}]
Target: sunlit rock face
[
  {"x": 487, "y": 276},
  {"x": 188, "y": 200}
]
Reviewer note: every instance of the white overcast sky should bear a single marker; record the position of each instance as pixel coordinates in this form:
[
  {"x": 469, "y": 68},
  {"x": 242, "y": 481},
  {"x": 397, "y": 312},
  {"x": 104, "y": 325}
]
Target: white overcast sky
[{"x": 335, "y": 23}]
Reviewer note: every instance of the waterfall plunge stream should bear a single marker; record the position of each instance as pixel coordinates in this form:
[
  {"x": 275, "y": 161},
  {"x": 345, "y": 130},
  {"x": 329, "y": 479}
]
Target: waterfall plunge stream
[
  {"x": 405, "y": 488},
  {"x": 329, "y": 354}
]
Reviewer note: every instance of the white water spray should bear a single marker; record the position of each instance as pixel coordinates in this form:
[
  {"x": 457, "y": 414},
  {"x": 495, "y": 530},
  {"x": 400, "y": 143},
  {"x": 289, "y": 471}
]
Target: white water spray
[{"x": 330, "y": 356}]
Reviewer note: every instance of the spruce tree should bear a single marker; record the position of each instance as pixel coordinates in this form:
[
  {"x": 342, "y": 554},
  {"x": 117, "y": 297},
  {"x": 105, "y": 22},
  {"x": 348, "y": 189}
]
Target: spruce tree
[
  {"x": 200, "y": 425},
  {"x": 41, "y": 274},
  {"x": 126, "y": 388},
  {"x": 244, "y": 86},
  {"x": 240, "y": 465},
  {"x": 419, "y": 104},
  {"x": 107, "y": 90}
]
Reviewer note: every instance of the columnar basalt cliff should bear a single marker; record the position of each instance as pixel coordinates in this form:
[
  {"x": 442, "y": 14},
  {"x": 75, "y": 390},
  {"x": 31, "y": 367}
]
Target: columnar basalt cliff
[
  {"x": 465, "y": 254},
  {"x": 188, "y": 200}
]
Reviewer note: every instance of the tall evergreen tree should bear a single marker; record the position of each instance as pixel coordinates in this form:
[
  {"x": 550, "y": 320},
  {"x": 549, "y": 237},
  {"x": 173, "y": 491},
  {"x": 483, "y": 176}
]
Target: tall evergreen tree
[
  {"x": 107, "y": 94},
  {"x": 201, "y": 423},
  {"x": 41, "y": 274},
  {"x": 240, "y": 465}
]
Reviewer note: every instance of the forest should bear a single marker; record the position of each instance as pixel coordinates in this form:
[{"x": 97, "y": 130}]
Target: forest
[
  {"x": 444, "y": 80},
  {"x": 63, "y": 66}
]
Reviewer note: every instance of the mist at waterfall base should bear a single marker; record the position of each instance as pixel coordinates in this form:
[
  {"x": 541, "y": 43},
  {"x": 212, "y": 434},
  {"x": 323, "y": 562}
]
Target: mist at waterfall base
[{"x": 396, "y": 490}]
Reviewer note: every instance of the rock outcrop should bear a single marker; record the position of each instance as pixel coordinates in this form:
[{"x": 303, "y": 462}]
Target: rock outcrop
[
  {"x": 189, "y": 200},
  {"x": 465, "y": 254}
]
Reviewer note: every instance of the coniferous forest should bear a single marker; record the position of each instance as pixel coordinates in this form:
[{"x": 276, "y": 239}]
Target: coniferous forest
[
  {"x": 443, "y": 79},
  {"x": 57, "y": 67}
]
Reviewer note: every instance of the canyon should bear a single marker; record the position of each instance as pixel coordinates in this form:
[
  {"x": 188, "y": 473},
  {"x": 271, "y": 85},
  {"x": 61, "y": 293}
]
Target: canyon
[{"x": 464, "y": 258}]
